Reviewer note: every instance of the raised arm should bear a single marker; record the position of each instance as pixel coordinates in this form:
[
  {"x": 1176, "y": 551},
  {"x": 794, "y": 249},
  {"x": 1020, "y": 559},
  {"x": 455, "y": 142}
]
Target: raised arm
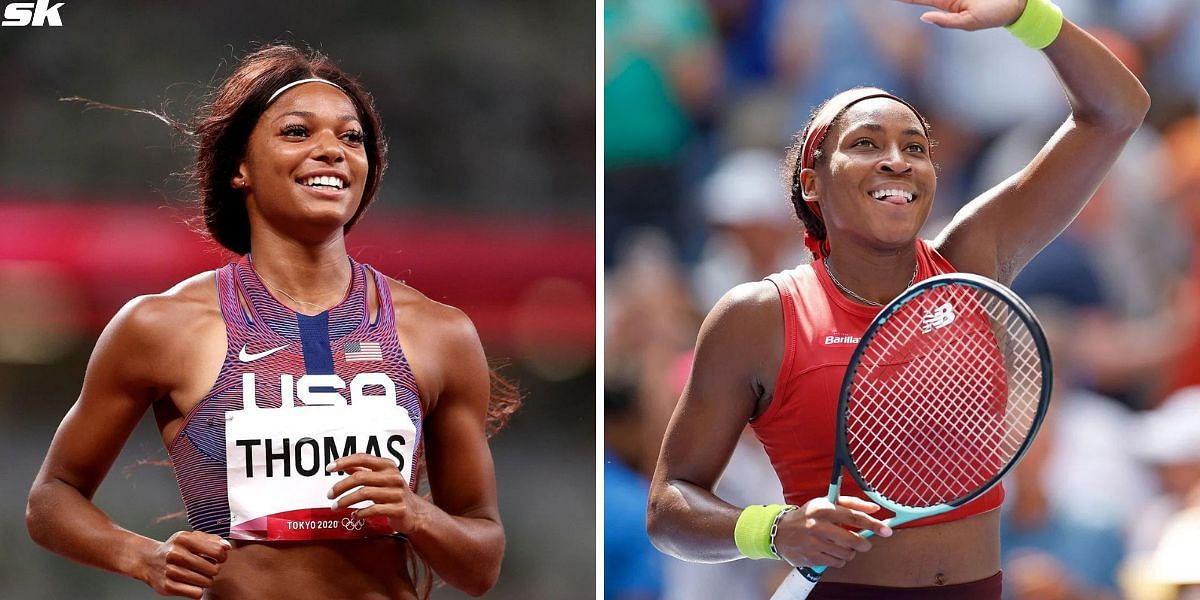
[
  {"x": 124, "y": 376},
  {"x": 999, "y": 232}
]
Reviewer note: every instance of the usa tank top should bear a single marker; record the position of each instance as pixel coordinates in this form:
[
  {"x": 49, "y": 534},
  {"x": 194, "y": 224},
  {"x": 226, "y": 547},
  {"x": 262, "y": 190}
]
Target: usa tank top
[{"x": 276, "y": 354}]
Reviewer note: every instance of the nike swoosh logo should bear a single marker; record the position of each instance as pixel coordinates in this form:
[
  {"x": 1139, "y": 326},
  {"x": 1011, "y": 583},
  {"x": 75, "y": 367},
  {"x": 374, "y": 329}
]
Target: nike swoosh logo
[{"x": 244, "y": 357}]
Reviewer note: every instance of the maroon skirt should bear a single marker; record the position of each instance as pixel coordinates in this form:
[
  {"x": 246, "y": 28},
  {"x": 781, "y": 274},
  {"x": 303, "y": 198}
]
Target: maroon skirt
[{"x": 984, "y": 589}]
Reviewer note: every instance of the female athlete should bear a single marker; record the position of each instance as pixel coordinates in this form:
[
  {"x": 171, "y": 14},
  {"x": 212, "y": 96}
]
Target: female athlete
[
  {"x": 297, "y": 390},
  {"x": 773, "y": 353}
]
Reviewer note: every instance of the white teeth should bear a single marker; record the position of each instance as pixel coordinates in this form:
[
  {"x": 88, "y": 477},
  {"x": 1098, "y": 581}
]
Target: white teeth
[
  {"x": 325, "y": 180},
  {"x": 908, "y": 196}
]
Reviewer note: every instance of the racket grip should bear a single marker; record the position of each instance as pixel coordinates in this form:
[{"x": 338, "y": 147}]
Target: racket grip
[{"x": 797, "y": 585}]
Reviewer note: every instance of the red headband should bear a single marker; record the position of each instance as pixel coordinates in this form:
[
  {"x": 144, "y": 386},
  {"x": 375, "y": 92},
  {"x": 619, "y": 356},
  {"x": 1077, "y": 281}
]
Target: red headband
[{"x": 815, "y": 135}]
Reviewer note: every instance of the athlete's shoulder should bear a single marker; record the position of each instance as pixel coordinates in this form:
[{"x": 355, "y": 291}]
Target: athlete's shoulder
[
  {"x": 751, "y": 295},
  {"x": 766, "y": 294},
  {"x": 153, "y": 340},
  {"x": 953, "y": 252},
  {"x": 442, "y": 338},
  {"x": 193, "y": 297},
  {"x": 413, "y": 307},
  {"x": 173, "y": 314},
  {"x": 747, "y": 308},
  {"x": 741, "y": 343}
]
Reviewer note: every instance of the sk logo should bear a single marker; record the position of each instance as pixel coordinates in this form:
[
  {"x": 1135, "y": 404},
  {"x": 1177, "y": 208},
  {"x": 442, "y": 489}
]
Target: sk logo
[{"x": 37, "y": 14}]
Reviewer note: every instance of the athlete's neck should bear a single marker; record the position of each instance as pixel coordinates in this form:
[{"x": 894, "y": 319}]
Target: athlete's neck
[
  {"x": 876, "y": 275},
  {"x": 308, "y": 278}
]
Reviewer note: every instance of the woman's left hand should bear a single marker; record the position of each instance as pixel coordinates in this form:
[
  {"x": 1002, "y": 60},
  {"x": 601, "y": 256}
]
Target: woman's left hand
[
  {"x": 379, "y": 481},
  {"x": 971, "y": 15}
]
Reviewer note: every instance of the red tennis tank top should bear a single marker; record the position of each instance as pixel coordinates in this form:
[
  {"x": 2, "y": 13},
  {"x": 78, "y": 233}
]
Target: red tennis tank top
[{"x": 798, "y": 429}]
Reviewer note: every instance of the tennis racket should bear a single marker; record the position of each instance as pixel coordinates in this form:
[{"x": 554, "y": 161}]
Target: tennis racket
[{"x": 943, "y": 394}]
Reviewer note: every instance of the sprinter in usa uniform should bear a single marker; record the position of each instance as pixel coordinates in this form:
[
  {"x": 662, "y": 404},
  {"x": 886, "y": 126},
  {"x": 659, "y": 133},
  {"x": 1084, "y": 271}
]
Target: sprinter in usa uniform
[{"x": 295, "y": 389}]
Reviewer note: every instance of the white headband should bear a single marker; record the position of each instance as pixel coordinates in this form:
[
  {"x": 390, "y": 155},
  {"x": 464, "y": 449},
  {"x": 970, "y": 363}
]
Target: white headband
[{"x": 296, "y": 83}]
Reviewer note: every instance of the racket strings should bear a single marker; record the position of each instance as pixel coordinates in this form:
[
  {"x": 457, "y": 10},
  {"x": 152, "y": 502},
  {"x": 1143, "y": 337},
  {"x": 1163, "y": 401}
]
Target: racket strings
[{"x": 943, "y": 398}]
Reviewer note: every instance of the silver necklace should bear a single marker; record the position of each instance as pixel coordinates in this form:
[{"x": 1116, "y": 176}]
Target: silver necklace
[
  {"x": 289, "y": 296},
  {"x": 850, "y": 292}
]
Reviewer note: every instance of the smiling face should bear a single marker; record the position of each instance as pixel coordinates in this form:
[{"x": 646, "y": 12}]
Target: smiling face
[
  {"x": 876, "y": 182},
  {"x": 305, "y": 166}
]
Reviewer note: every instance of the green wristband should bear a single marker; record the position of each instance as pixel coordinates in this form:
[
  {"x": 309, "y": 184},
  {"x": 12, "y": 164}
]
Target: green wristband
[
  {"x": 752, "y": 534},
  {"x": 1039, "y": 24}
]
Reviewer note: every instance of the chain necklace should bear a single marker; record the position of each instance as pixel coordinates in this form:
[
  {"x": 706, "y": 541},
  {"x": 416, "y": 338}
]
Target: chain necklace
[
  {"x": 850, "y": 292},
  {"x": 289, "y": 296}
]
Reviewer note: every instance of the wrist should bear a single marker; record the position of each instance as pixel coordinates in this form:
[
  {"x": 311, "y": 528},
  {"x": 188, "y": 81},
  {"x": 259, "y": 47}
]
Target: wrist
[
  {"x": 754, "y": 532},
  {"x": 422, "y": 519},
  {"x": 1038, "y": 25},
  {"x": 1021, "y": 10},
  {"x": 775, "y": 528},
  {"x": 135, "y": 560}
]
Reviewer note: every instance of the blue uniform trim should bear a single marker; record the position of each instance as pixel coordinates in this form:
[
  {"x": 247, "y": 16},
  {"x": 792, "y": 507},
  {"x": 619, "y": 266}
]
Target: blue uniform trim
[{"x": 314, "y": 339}]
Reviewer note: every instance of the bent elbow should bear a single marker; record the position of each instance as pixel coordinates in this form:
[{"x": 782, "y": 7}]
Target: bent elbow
[
  {"x": 1120, "y": 119},
  {"x": 1132, "y": 117},
  {"x": 483, "y": 578},
  {"x": 483, "y": 582},
  {"x": 1143, "y": 106},
  {"x": 655, "y": 523},
  {"x": 34, "y": 523}
]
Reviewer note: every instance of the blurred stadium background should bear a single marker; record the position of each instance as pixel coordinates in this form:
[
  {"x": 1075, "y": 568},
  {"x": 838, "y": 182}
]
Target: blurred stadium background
[
  {"x": 700, "y": 99},
  {"x": 488, "y": 204}
]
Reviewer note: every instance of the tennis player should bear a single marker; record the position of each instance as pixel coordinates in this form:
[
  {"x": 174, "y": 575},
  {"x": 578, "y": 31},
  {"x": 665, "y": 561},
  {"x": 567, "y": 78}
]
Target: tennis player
[
  {"x": 773, "y": 353},
  {"x": 296, "y": 389}
]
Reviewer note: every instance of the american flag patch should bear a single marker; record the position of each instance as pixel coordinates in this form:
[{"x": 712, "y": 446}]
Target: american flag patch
[{"x": 362, "y": 351}]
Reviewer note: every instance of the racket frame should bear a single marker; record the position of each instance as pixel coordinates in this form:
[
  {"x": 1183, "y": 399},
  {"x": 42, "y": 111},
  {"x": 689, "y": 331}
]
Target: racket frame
[{"x": 905, "y": 514}]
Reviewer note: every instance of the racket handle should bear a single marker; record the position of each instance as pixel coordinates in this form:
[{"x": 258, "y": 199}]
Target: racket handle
[
  {"x": 801, "y": 581},
  {"x": 798, "y": 584}
]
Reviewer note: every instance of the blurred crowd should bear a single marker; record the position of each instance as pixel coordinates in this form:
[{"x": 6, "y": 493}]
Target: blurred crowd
[{"x": 702, "y": 96}]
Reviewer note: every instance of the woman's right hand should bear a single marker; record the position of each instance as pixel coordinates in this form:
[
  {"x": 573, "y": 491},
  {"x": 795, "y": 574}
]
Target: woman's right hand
[
  {"x": 186, "y": 564},
  {"x": 816, "y": 534}
]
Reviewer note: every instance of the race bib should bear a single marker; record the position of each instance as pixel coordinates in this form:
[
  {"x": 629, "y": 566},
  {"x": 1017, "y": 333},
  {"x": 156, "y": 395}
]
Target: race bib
[{"x": 276, "y": 459}]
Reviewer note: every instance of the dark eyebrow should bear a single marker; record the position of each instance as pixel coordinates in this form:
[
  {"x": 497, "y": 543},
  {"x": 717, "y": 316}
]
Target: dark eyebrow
[
  {"x": 877, "y": 128},
  {"x": 311, "y": 115}
]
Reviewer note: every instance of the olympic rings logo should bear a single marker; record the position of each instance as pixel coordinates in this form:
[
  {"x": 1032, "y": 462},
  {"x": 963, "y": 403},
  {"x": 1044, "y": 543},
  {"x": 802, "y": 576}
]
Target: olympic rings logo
[{"x": 352, "y": 524}]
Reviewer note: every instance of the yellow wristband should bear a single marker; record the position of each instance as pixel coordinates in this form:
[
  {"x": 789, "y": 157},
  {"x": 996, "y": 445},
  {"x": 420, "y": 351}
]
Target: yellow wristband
[
  {"x": 1039, "y": 24},
  {"x": 752, "y": 533}
]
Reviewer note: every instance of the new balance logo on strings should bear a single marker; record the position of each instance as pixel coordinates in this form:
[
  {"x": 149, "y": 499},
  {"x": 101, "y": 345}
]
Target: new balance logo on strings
[
  {"x": 937, "y": 318},
  {"x": 36, "y": 14}
]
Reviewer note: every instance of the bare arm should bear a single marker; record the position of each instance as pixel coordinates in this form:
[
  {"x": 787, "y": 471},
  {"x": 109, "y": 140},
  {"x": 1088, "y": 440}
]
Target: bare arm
[
  {"x": 999, "y": 232},
  {"x": 685, "y": 518},
  {"x": 738, "y": 353},
  {"x": 459, "y": 534},
  {"x": 123, "y": 378},
  {"x": 465, "y": 541}
]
